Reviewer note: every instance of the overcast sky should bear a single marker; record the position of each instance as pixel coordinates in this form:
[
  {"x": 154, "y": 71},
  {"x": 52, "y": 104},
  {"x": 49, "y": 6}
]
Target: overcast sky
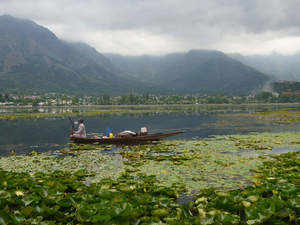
[{"x": 135, "y": 27}]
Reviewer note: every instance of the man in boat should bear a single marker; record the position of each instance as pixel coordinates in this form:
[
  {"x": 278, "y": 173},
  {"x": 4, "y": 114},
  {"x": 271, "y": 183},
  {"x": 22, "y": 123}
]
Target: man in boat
[{"x": 81, "y": 130}]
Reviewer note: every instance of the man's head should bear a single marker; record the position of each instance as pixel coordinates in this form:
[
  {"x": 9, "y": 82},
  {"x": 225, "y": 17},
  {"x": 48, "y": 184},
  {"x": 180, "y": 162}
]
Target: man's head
[{"x": 80, "y": 120}]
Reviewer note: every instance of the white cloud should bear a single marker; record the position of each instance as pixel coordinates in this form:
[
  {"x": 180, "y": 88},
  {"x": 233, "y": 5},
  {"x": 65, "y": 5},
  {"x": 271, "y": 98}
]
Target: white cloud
[{"x": 163, "y": 26}]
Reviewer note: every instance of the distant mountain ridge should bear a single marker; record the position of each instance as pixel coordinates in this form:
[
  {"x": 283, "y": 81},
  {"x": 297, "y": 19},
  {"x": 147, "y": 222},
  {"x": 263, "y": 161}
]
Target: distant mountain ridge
[
  {"x": 197, "y": 71},
  {"x": 281, "y": 67},
  {"x": 33, "y": 59}
]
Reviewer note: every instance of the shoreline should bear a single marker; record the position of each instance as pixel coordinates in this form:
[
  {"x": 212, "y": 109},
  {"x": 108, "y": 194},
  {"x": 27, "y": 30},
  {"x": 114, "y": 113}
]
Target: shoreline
[{"x": 164, "y": 105}]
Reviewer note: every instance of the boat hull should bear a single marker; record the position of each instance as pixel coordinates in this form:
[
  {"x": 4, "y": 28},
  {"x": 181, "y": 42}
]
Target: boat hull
[{"x": 126, "y": 140}]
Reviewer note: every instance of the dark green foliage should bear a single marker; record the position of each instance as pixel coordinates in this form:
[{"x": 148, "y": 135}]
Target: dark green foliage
[
  {"x": 62, "y": 198},
  {"x": 273, "y": 199},
  {"x": 287, "y": 86},
  {"x": 287, "y": 91},
  {"x": 264, "y": 97}
]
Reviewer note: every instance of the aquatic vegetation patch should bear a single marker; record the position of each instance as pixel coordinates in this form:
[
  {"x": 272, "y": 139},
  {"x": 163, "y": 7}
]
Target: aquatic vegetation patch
[
  {"x": 218, "y": 171},
  {"x": 286, "y": 116},
  {"x": 272, "y": 199},
  {"x": 221, "y": 162},
  {"x": 196, "y": 164},
  {"x": 280, "y": 116},
  {"x": 97, "y": 165},
  {"x": 61, "y": 198}
]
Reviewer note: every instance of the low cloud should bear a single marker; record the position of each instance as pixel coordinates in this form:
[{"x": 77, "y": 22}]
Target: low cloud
[{"x": 163, "y": 26}]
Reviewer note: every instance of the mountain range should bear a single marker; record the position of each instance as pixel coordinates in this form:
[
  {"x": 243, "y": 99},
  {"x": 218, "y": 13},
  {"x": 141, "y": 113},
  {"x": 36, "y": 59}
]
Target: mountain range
[
  {"x": 33, "y": 59},
  {"x": 280, "y": 67},
  {"x": 197, "y": 71}
]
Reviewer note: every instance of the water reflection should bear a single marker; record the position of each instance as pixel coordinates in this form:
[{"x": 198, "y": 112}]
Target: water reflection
[
  {"x": 184, "y": 109},
  {"x": 24, "y": 135}
]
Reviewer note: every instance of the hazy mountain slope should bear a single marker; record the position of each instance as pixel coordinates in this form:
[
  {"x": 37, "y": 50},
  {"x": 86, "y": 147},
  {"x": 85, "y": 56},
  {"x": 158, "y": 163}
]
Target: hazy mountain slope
[
  {"x": 198, "y": 71},
  {"x": 140, "y": 67},
  {"x": 282, "y": 67},
  {"x": 32, "y": 58}
]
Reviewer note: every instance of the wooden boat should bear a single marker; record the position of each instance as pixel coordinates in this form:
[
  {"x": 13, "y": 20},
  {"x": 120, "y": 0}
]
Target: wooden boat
[{"x": 137, "y": 139}]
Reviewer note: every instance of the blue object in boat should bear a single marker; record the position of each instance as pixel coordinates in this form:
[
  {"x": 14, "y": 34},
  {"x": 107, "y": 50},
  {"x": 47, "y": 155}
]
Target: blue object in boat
[{"x": 108, "y": 132}]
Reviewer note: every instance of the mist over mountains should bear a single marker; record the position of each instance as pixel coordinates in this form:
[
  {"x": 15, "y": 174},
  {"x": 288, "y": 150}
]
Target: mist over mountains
[
  {"x": 197, "y": 71},
  {"x": 281, "y": 67},
  {"x": 33, "y": 59}
]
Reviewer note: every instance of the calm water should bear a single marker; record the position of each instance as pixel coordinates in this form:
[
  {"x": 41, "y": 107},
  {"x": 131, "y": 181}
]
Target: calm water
[{"x": 24, "y": 135}]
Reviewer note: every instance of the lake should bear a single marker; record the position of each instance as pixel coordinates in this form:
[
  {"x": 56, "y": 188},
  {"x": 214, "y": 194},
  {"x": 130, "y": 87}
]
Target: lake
[{"x": 51, "y": 133}]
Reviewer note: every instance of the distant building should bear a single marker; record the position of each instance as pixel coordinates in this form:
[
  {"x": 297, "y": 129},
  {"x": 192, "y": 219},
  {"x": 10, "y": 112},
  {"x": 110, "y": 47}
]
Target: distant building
[{"x": 291, "y": 92}]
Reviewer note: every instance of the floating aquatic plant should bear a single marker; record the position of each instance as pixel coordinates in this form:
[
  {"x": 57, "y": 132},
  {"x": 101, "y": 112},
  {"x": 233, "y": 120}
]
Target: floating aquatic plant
[
  {"x": 222, "y": 162},
  {"x": 61, "y": 198}
]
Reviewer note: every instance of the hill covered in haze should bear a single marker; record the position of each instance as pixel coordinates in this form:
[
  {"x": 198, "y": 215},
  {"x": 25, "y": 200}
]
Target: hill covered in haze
[
  {"x": 281, "y": 67},
  {"x": 197, "y": 71},
  {"x": 32, "y": 58}
]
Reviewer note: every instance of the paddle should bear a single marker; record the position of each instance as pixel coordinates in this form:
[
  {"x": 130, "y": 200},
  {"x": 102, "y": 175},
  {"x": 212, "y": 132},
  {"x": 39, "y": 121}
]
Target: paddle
[{"x": 72, "y": 122}]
